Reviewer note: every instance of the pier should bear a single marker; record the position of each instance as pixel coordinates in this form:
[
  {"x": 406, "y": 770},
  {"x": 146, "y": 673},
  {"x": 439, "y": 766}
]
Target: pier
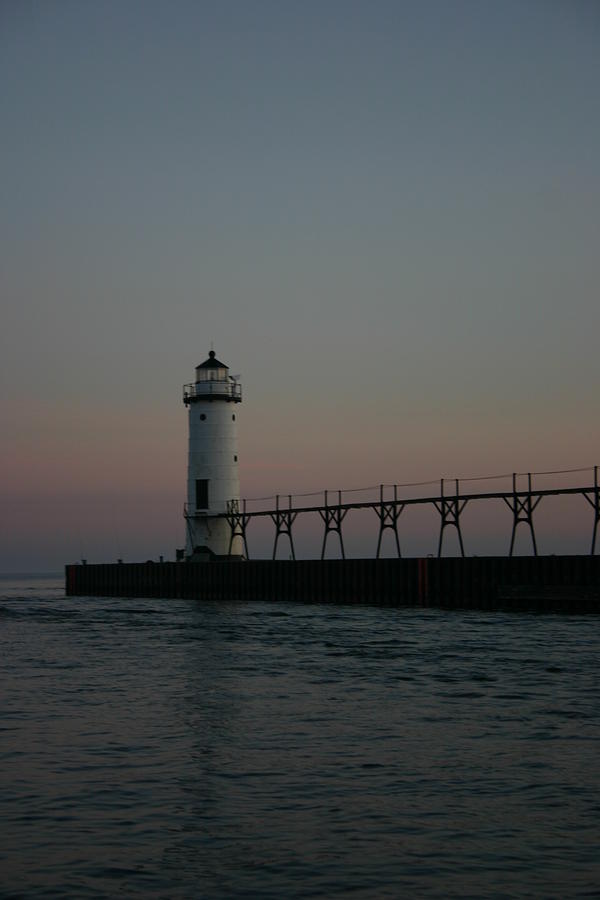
[
  {"x": 216, "y": 565},
  {"x": 539, "y": 583},
  {"x": 557, "y": 583}
]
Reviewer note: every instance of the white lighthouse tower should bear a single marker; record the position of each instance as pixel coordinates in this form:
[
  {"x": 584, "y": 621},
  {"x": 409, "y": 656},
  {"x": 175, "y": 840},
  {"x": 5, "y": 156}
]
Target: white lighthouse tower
[{"x": 213, "y": 479}]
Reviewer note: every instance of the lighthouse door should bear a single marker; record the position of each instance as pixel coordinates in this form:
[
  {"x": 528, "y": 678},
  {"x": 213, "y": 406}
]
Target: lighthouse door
[{"x": 202, "y": 493}]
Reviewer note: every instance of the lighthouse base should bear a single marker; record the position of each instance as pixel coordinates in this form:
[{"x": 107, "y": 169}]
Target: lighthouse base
[
  {"x": 209, "y": 537},
  {"x": 205, "y": 554}
]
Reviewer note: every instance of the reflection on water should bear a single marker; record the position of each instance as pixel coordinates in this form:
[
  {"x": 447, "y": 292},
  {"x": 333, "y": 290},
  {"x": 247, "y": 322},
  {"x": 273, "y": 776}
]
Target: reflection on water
[{"x": 174, "y": 748}]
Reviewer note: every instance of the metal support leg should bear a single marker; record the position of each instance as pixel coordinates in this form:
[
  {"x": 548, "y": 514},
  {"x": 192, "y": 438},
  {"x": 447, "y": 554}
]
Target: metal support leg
[
  {"x": 388, "y": 512},
  {"x": 333, "y": 516},
  {"x": 237, "y": 524},
  {"x": 522, "y": 508},
  {"x": 450, "y": 509},
  {"x": 593, "y": 498},
  {"x": 283, "y": 519}
]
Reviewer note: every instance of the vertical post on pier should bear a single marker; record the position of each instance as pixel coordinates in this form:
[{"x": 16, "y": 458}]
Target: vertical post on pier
[
  {"x": 388, "y": 513},
  {"x": 450, "y": 509},
  {"x": 283, "y": 519},
  {"x": 594, "y": 501},
  {"x": 333, "y": 516},
  {"x": 522, "y": 507}
]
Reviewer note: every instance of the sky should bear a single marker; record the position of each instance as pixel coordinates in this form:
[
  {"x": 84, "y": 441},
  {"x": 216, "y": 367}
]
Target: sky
[{"x": 384, "y": 215}]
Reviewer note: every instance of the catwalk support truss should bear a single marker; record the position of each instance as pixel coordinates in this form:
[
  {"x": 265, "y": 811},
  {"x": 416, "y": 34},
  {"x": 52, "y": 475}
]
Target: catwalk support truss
[{"x": 389, "y": 506}]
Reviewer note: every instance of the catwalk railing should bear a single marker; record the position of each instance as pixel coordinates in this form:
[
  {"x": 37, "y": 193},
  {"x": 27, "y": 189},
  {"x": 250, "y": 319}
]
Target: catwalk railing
[{"x": 388, "y": 504}]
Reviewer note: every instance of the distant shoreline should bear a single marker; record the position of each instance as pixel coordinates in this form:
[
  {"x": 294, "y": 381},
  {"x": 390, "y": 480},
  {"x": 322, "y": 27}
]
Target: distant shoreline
[{"x": 55, "y": 574}]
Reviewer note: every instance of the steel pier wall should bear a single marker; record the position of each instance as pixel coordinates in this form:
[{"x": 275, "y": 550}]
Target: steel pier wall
[{"x": 545, "y": 583}]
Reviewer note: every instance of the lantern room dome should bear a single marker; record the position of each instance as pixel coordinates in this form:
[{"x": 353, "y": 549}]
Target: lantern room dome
[{"x": 212, "y": 363}]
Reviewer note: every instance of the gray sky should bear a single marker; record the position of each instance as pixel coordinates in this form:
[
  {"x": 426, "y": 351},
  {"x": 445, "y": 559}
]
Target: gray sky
[{"x": 385, "y": 215}]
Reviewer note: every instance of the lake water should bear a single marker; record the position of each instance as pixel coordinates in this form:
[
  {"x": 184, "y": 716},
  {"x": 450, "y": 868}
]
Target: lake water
[{"x": 186, "y": 749}]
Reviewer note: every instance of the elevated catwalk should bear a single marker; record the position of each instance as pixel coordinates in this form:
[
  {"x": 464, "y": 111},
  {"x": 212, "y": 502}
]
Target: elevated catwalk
[{"x": 542, "y": 583}]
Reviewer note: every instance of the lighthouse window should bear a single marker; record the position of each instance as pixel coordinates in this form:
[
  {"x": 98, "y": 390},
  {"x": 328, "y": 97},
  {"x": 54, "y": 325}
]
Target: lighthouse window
[
  {"x": 235, "y": 458},
  {"x": 203, "y": 416},
  {"x": 202, "y": 493},
  {"x": 233, "y": 417}
]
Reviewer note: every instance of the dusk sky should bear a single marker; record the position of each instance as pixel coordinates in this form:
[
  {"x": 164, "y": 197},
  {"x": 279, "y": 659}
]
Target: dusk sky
[{"x": 385, "y": 215}]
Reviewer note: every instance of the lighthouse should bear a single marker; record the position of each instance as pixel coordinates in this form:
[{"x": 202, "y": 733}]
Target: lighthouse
[{"x": 213, "y": 481}]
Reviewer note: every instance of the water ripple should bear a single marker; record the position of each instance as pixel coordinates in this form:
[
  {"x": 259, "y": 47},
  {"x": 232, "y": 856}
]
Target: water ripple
[{"x": 176, "y": 749}]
